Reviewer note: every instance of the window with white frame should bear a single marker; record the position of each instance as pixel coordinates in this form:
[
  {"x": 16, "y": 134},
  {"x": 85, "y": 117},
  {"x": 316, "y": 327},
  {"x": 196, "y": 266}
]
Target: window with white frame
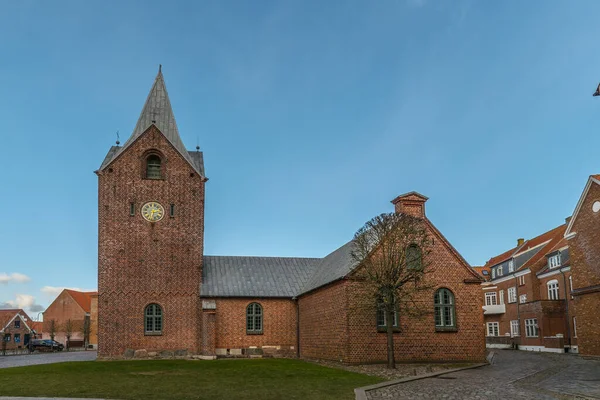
[
  {"x": 553, "y": 290},
  {"x": 514, "y": 328},
  {"x": 493, "y": 329},
  {"x": 531, "y": 327},
  {"x": 554, "y": 261},
  {"x": 490, "y": 299},
  {"x": 523, "y": 298},
  {"x": 493, "y": 273},
  {"x": 574, "y": 326},
  {"x": 502, "y": 297},
  {"x": 521, "y": 280},
  {"x": 512, "y": 294},
  {"x": 500, "y": 272},
  {"x": 511, "y": 266}
]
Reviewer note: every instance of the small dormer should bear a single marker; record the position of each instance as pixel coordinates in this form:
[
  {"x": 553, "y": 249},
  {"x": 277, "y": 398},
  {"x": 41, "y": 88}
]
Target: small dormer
[{"x": 554, "y": 259}]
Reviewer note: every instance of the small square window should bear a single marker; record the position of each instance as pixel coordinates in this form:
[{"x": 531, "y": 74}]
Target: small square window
[
  {"x": 132, "y": 209},
  {"x": 172, "y": 211},
  {"x": 17, "y": 323}
]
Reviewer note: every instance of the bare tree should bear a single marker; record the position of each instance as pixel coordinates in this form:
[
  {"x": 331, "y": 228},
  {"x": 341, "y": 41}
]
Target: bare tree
[
  {"x": 51, "y": 328},
  {"x": 391, "y": 252},
  {"x": 68, "y": 328},
  {"x": 86, "y": 330}
]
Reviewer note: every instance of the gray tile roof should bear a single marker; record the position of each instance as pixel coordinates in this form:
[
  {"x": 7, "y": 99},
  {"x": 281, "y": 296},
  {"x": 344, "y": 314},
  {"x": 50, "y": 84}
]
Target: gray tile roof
[
  {"x": 238, "y": 276},
  {"x": 157, "y": 110},
  {"x": 334, "y": 266}
]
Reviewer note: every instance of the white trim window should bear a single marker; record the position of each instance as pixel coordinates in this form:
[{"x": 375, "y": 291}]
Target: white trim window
[
  {"x": 554, "y": 261},
  {"x": 553, "y": 290},
  {"x": 512, "y": 294},
  {"x": 490, "y": 299},
  {"x": 493, "y": 329},
  {"x": 574, "y": 326},
  {"x": 521, "y": 280},
  {"x": 493, "y": 273},
  {"x": 523, "y": 298},
  {"x": 514, "y": 328},
  {"x": 531, "y": 328},
  {"x": 511, "y": 266},
  {"x": 500, "y": 272},
  {"x": 501, "y": 296}
]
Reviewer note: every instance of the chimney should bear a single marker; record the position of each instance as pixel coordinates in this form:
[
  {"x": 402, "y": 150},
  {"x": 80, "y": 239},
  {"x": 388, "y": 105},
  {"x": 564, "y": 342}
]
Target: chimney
[
  {"x": 411, "y": 203},
  {"x": 568, "y": 219},
  {"x": 520, "y": 242}
]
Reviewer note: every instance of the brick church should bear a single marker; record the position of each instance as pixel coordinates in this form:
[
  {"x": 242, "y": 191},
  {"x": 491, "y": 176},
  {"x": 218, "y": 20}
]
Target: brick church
[{"x": 159, "y": 292}]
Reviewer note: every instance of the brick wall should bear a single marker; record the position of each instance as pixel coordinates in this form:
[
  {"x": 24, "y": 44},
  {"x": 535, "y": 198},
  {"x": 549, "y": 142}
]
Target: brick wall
[
  {"x": 418, "y": 339},
  {"x": 585, "y": 269},
  {"x": 338, "y": 322},
  {"x": 21, "y": 331},
  {"x": 323, "y": 323},
  {"x": 94, "y": 321},
  {"x": 62, "y": 309},
  {"x": 279, "y": 325},
  {"x": 141, "y": 262}
]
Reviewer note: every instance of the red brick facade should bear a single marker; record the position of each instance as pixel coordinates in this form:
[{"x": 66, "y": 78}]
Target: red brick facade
[
  {"x": 141, "y": 262},
  {"x": 15, "y": 329},
  {"x": 336, "y": 323},
  {"x": 584, "y": 241}
]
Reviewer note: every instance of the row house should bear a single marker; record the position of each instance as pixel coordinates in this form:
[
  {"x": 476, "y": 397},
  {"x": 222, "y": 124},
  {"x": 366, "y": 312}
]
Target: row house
[
  {"x": 16, "y": 329},
  {"x": 528, "y": 302},
  {"x": 583, "y": 236}
]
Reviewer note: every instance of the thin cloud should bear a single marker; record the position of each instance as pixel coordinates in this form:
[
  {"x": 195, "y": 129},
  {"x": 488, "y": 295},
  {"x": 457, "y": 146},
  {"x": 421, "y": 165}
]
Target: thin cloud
[
  {"x": 14, "y": 277},
  {"x": 24, "y": 301}
]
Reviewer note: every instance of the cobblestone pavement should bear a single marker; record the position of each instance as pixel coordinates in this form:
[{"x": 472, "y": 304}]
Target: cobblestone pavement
[
  {"x": 46, "y": 358},
  {"x": 513, "y": 374}
]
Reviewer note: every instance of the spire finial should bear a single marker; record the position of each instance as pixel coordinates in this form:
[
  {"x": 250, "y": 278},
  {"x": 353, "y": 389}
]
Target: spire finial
[
  {"x": 118, "y": 143},
  {"x": 159, "y": 68},
  {"x": 197, "y": 148}
]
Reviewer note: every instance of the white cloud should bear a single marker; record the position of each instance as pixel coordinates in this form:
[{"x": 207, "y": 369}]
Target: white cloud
[
  {"x": 14, "y": 277},
  {"x": 24, "y": 301}
]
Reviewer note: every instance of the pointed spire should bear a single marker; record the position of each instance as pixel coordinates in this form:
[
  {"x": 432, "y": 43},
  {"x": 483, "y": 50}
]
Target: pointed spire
[{"x": 157, "y": 111}]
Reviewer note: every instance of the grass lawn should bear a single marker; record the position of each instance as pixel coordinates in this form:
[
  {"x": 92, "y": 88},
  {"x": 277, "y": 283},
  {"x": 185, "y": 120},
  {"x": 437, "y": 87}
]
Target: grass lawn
[{"x": 259, "y": 379}]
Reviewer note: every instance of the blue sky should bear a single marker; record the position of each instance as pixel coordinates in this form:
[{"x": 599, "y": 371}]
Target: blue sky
[{"x": 312, "y": 116}]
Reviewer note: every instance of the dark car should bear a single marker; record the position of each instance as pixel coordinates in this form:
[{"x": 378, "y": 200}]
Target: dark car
[{"x": 46, "y": 345}]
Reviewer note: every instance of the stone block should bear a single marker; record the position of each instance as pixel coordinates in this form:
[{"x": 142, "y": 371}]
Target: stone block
[
  {"x": 221, "y": 352},
  {"x": 181, "y": 353},
  {"x": 253, "y": 351},
  {"x": 141, "y": 353},
  {"x": 128, "y": 353},
  {"x": 166, "y": 354},
  {"x": 235, "y": 352},
  {"x": 152, "y": 354}
]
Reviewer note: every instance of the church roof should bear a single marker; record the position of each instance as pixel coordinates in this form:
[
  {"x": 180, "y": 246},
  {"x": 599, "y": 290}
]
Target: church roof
[
  {"x": 157, "y": 110},
  {"x": 332, "y": 267},
  {"x": 240, "y": 276}
]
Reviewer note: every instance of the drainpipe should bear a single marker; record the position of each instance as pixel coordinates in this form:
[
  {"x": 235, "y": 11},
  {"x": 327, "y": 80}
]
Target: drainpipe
[
  {"x": 518, "y": 308},
  {"x": 567, "y": 308},
  {"x": 297, "y": 328}
]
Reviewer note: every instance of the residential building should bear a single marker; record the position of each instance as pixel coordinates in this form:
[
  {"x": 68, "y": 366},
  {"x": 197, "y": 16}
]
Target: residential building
[
  {"x": 527, "y": 301},
  {"x": 158, "y": 291},
  {"x": 15, "y": 329},
  {"x": 67, "y": 315},
  {"x": 583, "y": 237}
]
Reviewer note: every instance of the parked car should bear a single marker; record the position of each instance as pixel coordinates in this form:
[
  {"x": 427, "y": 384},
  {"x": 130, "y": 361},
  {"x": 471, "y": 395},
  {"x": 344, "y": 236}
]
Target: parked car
[{"x": 46, "y": 345}]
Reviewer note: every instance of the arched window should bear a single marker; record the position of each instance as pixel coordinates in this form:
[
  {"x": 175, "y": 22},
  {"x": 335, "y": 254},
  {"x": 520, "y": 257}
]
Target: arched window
[
  {"x": 445, "y": 313},
  {"x": 153, "y": 319},
  {"x": 414, "y": 257},
  {"x": 553, "y": 290},
  {"x": 254, "y": 319},
  {"x": 153, "y": 167}
]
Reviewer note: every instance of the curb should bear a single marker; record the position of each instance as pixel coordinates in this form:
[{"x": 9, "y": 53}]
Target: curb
[
  {"x": 361, "y": 392},
  {"x": 490, "y": 357}
]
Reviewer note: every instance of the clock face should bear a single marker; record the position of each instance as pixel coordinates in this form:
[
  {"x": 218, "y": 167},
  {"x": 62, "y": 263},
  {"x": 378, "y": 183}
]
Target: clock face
[{"x": 153, "y": 211}]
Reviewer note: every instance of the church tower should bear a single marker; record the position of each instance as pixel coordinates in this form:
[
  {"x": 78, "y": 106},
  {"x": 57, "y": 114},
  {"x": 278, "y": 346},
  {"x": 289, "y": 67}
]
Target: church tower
[{"x": 150, "y": 237}]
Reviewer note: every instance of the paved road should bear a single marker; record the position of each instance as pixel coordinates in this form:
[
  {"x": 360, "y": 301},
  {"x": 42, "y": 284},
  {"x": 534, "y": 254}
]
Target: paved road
[
  {"x": 512, "y": 375},
  {"x": 46, "y": 358}
]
